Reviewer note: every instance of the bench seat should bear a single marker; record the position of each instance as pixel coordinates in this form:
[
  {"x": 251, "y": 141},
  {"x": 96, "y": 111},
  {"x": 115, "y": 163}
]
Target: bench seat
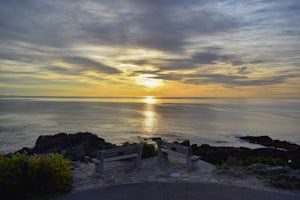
[{"x": 121, "y": 153}]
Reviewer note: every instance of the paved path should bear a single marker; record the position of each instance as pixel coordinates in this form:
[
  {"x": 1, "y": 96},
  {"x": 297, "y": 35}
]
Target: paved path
[{"x": 179, "y": 191}]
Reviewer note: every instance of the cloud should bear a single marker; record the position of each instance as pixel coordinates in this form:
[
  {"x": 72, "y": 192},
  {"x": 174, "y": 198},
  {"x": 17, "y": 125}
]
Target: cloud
[
  {"x": 161, "y": 25},
  {"x": 87, "y": 64},
  {"x": 243, "y": 70},
  {"x": 232, "y": 80},
  {"x": 198, "y": 59},
  {"x": 35, "y": 22},
  {"x": 171, "y": 39},
  {"x": 59, "y": 70}
]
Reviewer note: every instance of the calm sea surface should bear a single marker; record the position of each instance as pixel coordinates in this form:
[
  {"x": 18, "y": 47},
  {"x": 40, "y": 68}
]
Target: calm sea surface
[{"x": 216, "y": 121}]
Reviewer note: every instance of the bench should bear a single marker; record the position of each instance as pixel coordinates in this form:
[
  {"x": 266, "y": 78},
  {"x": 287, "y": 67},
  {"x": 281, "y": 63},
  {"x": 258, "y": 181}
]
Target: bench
[
  {"x": 121, "y": 153},
  {"x": 166, "y": 148}
]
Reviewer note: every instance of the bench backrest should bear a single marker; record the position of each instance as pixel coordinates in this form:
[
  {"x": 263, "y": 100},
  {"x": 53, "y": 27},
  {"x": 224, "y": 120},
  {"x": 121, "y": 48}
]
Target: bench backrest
[
  {"x": 120, "y": 151},
  {"x": 174, "y": 147}
]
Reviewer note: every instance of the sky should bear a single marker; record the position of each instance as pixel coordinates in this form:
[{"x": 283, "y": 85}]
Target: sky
[{"x": 216, "y": 48}]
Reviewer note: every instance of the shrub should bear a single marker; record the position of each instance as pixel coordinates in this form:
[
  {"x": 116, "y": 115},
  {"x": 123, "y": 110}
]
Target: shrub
[
  {"x": 12, "y": 180},
  {"x": 233, "y": 161},
  {"x": 265, "y": 160},
  {"x": 149, "y": 150},
  {"x": 44, "y": 175}
]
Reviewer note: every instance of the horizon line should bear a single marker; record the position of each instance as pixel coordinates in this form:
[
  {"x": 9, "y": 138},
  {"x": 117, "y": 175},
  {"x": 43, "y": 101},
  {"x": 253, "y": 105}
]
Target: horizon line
[{"x": 134, "y": 97}]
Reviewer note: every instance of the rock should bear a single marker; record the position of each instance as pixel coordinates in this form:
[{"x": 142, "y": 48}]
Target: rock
[
  {"x": 283, "y": 150},
  {"x": 269, "y": 142},
  {"x": 294, "y": 156},
  {"x": 258, "y": 168},
  {"x": 194, "y": 147},
  {"x": 26, "y": 150},
  {"x": 292, "y": 150},
  {"x": 155, "y": 138},
  {"x": 72, "y": 146},
  {"x": 269, "y": 152},
  {"x": 290, "y": 171},
  {"x": 218, "y": 155},
  {"x": 185, "y": 143},
  {"x": 267, "y": 170},
  {"x": 276, "y": 169},
  {"x": 263, "y": 140},
  {"x": 295, "y": 164},
  {"x": 175, "y": 175}
]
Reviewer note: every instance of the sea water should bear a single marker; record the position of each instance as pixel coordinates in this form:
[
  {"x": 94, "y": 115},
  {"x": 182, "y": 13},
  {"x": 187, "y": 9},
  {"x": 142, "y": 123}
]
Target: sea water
[{"x": 214, "y": 121}]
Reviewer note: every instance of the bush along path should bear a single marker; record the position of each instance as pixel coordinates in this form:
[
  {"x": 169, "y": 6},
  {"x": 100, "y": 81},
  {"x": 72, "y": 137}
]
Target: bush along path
[{"x": 37, "y": 176}]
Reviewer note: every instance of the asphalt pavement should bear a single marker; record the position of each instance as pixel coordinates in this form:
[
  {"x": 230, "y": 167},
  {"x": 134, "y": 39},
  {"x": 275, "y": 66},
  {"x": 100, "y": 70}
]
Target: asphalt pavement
[{"x": 179, "y": 191}]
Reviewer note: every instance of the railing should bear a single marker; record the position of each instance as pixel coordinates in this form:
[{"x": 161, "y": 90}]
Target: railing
[{"x": 24, "y": 179}]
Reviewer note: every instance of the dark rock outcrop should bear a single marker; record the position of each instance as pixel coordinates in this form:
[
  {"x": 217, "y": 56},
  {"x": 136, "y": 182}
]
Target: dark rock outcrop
[
  {"x": 218, "y": 155},
  {"x": 269, "y": 142},
  {"x": 72, "y": 146},
  {"x": 293, "y": 150},
  {"x": 294, "y": 158},
  {"x": 26, "y": 150}
]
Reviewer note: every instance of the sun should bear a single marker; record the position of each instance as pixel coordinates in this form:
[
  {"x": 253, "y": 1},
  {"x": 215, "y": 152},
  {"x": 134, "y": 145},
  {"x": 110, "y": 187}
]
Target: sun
[
  {"x": 149, "y": 80},
  {"x": 150, "y": 100}
]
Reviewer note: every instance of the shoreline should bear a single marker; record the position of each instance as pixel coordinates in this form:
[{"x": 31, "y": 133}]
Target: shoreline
[
  {"x": 270, "y": 166},
  {"x": 82, "y": 146}
]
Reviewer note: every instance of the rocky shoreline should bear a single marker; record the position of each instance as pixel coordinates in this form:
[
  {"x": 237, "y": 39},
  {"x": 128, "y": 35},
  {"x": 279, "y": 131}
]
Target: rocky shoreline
[
  {"x": 288, "y": 152},
  {"x": 81, "y": 147},
  {"x": 75, "y": 147}
]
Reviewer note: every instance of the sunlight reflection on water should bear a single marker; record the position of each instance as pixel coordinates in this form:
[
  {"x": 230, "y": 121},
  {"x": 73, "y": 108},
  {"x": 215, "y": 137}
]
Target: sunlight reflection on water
[{"x": 150, "y": 120}]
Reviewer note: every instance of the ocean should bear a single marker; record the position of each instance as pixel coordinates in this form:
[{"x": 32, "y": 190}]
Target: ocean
[{"x": 214, "y": 121}]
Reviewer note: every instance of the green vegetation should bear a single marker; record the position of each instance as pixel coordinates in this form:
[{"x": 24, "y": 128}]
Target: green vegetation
[
  {"x": 149, "y": 150},
  {"x": 252, "y": 160},
  {"x": 233, "y": 161},
  {"x": 265, "y": 160},
  {"x": 34, "y": 176}
]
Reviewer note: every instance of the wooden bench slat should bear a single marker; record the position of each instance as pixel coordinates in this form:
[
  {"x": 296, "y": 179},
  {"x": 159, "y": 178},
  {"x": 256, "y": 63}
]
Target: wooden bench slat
[
  {"x": 120, "y": 153},
  {"x": 114, "y": 154},
  {"x": 174, "y": 152},
  {"x": 133, "y": 155},
  {"x": 128, "y": 148},
  {"x": 173, "y": 145},
  {"x": 175, "y": 149}
]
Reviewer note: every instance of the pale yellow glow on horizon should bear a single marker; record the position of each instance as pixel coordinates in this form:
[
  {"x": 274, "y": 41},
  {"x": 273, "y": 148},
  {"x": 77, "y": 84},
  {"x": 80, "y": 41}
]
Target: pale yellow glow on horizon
[{"x": 150, "y": 100}]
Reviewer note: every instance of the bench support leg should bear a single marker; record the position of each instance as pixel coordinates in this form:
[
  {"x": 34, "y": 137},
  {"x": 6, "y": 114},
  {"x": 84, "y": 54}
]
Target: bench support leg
[
  {"x": 101, "y": 165},
  {"x": 162, "y": 155},
  {"x": 193, "y": 164},
  {"x": 159, "y": 154},
  {"x": 97, "y": 166},
  {"x": 166, "y": 156},
  {"x": 139, "y": 158},
  {"x": 189, "y": 164}
]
